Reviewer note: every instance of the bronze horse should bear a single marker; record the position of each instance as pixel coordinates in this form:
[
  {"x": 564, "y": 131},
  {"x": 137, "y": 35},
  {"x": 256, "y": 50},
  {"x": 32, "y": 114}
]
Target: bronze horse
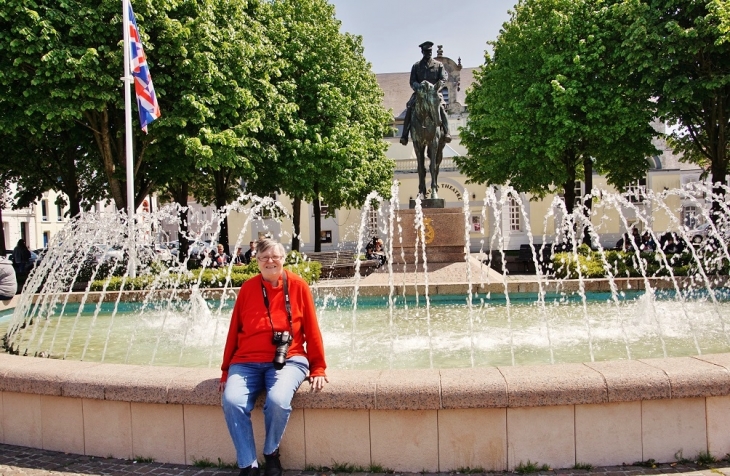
[{"x": 427, "y": 136}]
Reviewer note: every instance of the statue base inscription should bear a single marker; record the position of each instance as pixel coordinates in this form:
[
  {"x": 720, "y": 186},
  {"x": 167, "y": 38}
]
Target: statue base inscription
[
  {"x": 443, "y": 235},
  {"x": 427, "y": 203}
]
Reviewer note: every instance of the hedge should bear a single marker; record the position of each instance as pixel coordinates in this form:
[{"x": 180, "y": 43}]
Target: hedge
[
  {"x": 626, "y": 264},
  {"x": 310, "y": 271}
]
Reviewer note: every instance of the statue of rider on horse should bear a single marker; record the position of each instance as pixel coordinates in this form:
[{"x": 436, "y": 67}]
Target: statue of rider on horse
[
  {"x": 426, "y": 118},
  {"x": 428, "y": 69}
]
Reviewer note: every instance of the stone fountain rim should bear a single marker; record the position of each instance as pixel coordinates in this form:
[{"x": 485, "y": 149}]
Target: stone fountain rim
[{"x": 422, "y": 389}]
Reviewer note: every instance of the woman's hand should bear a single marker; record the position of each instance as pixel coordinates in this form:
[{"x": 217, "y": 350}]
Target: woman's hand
[
  {"x": 317, "y": 383},
  {"x": 221, "y": 386}
]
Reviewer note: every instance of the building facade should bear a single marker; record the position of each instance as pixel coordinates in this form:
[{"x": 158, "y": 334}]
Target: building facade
[{"x": 37, "y": 224}]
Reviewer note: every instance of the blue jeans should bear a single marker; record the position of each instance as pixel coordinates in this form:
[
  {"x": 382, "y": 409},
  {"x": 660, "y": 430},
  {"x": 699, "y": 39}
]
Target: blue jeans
[{"x": 245, "y": 382}]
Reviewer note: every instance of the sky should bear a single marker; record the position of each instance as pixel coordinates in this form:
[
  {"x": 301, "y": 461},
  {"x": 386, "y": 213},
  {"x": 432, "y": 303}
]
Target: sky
[{"x": 393, "y": 29}]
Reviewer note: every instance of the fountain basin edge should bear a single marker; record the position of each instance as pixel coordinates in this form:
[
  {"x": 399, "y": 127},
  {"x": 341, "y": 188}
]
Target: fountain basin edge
[
  {"x": 601, "y": 413},
  {"x": 598, "y": 413},
  {"x": 409, "y": 289}
]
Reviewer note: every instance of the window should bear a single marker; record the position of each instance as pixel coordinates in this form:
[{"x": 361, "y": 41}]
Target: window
[
  {"x": 269, "y": 208},
  {"x": 395, "y": 130},
  {"x": 44, "y": 209},
  {"x": 636, "y": 192},
  {"x": 323, "y": 209},
  {"x": 24, "y": 231},
  {"x": 372, "y": 223},
  {"x": 59, "y": 212},
  {"x": 690, "y": 216},
  {"x": 325, "y": 236},
  {"x": 514, "y": 215},
  {"x": 578, "y": 189},
  {"x": 46, "y": 238},
  {"x": 445, "y": 93}
]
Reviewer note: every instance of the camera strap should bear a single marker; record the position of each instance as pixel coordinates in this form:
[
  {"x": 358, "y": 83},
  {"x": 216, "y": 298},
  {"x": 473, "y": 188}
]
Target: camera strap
[{"x": 287, "y": 304}]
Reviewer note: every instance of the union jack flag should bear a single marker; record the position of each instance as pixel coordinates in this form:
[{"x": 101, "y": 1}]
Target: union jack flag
[{"x": 149, "y": 110}]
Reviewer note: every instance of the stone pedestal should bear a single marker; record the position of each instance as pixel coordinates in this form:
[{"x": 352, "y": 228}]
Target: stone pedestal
[
  {"x": 427, "y": 203},
  {"x": 444, "y": 230}
]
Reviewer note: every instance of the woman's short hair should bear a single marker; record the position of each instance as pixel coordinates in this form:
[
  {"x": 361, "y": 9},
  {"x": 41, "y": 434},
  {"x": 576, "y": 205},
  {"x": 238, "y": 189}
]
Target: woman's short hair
[{"x": 264, "y": 244}]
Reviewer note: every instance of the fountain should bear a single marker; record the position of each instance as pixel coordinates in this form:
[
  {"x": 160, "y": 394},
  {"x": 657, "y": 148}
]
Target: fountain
[{"x": 647, "y": 343}]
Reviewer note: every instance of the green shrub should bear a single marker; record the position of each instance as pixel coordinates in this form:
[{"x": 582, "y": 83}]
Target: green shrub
[
  {"x": 625, "y": 264},
  {"x": 584, "y": 250},
  {"x": 310, "y": 271},
  {"x": 566, "y": 266}
]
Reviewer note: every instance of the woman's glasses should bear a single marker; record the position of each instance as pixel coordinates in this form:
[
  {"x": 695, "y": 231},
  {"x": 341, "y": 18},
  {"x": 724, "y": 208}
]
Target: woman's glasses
[{"x": 269, "y": 258}]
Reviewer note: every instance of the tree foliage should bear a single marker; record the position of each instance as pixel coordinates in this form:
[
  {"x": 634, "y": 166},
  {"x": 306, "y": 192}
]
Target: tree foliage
[
  {"x": 265, "y": 91},
  {"x": 553, "y": 102},
  {"x": 680, "y": 50},
  {"x": 220, "y": 101},
  {"x": 722, "y": 10},
  {"x": 60, "y": 66},
  {"x": 332, "y": 148},
  {"x": 209, "y": 60},
  {"x": 65, "y": 161}
]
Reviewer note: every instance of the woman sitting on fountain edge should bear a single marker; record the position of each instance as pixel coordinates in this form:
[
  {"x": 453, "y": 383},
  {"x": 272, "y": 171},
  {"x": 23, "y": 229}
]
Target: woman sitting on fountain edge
[{"x": 272, "y": 309}]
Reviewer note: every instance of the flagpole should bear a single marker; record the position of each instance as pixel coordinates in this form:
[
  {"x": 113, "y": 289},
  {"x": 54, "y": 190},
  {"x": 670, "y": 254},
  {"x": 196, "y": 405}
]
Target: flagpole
[{"x": 128, "y": 80}]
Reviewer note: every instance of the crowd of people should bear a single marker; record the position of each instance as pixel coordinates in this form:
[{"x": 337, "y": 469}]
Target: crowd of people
[
  {"x": 218, "y": 258},
  {"x": 669, "y": 242}
]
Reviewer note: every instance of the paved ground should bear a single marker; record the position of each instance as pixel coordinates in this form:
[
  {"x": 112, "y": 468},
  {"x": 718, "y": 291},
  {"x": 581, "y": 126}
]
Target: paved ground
[{"x": 18, "y": 460}]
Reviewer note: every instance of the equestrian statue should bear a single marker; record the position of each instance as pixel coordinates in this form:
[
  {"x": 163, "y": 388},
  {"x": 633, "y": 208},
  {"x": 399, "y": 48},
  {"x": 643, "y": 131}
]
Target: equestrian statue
[{"x": 426, "y": 118}]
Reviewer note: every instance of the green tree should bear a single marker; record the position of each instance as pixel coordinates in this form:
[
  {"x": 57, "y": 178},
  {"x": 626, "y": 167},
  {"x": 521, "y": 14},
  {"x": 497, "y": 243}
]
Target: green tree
[
  {"x": 210, "y": 61},
  {"x": 65, "y": 161},
  {"x": 722, "y": 10},
  {"x": 220, "y": 102},
  {"x": 680, "y": 50},
  {"x": 332, "y": 148},
  {"x": 553, "y": 103},
  {"x": 60, "y": 64}
]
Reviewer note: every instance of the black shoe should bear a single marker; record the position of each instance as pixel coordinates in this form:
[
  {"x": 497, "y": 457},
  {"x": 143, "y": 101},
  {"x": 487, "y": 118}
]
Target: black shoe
[
  {"x": 249, "y": 471},
  {"x": 273, "y": 465},
  {"x": 404, "y": 140}
]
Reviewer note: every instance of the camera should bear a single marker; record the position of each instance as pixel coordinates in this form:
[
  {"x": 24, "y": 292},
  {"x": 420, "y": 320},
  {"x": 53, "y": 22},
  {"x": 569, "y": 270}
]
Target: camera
[{"x": 281, "y": 340}]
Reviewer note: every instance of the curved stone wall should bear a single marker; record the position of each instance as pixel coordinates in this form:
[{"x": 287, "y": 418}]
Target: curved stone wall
[{"x": 601, "y": 413}]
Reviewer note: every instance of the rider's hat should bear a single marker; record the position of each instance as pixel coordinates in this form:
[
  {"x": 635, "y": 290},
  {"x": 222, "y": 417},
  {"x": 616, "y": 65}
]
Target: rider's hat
[{"x": 426, "y": 44}]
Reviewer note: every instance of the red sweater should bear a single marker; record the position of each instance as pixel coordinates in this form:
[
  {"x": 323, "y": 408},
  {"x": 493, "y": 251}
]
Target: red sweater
[{"x": 250, "y": 333}]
